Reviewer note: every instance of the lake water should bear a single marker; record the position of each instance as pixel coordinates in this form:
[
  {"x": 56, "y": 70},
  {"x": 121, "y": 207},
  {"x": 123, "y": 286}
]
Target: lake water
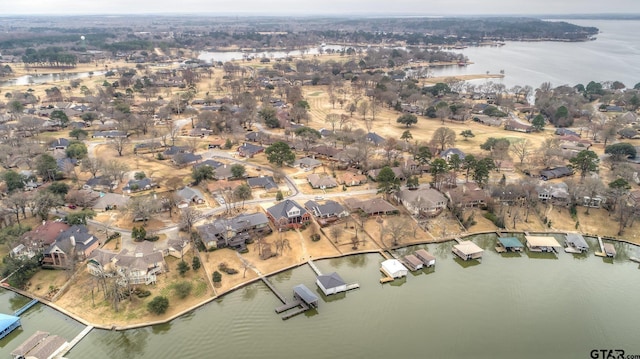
[
  {"x": 45, "y": 78},
  {"x": 507, "y": 306},
  {"x": 613, "y": 56}
]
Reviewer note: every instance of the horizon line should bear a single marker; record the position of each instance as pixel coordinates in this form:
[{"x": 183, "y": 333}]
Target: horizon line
[{"x": 335, "y": 15}]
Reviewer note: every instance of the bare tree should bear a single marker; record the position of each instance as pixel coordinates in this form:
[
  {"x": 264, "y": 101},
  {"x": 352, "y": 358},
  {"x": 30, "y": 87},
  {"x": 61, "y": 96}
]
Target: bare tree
[
  {"x": 119, "y": 144},
  {"x": 92, "y": 165},
  {"x": 335, "y": 231},
  {"x": 188, "y": 217},
  {"x": 396, "y": 230},
  {"x": 521, "y": 149},
  {"x": 444, "y": 137}
]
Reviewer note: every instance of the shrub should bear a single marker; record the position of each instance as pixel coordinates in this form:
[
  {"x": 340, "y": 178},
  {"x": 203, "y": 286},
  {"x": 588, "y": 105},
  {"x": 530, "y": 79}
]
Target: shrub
[
  {"x": 158, "y": 305},
  {"x": 217, "y": 277},
  {"x": 183, "y": 268},
  {"x": 183, "y": 289},
  {"x": 141, "y": 293},
  {"x": 315, "y": 237},
  {"x": 195, "y": 264}
]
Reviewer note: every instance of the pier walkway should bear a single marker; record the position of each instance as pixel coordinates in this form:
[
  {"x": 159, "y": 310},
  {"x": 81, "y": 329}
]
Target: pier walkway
[
  {"x": 313, "y": 266},
  {"x": 26, "y": 307},
  {"x": 75, "y": 341},
  {"x": 273, "y": 289},
  {"x": 602, "y": 252}
]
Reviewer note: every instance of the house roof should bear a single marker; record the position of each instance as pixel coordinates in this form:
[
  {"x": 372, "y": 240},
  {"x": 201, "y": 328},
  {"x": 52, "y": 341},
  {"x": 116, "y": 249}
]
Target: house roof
[
  {"x": 424, "y": 255},
  {"x": 282, "y": 209},
  {"x": 510, "y": 242},
  {"x": 305, "y": 294},
  {"x": 46, "y": 232},
  {"x": 468, "y": 248},
  {"x": 174, "y": 150},
  {"x": 307, "y": 162},
  {"x": 111, "y": 199},
  {"x": 467, "y": 192},
  {"x": 99, "y": 181},
  {"x": 542, "y": 241},
  {"x": 413, "y": 260},
  {"x": 185, "y": 158},
  {"x": 393, "y": 265},
  {"x": 60, "y": 142},
  {"x": 189, "y": 193},
  {"x": 577, "y": 240},
  {"x": 47, "y": 347},
  {"x": 329, "y": 208},
  {"x": 29, "y": 344},
  {"x": 375, "y": 138},
  {"x": 452, "y": 151},
  {"x": 7, "y": 321},
  {"x": 332, "y": 280},
  {"x": 81, "y": 236},
  {"x": 318, "y": 181},
  {"x": 424, "y": 197},
  {"x": 249, "y": 148},
  {"x": 266, "y": 182},
  {"x": 140, "y": 184},
  {"x": 374, "y": 205}
]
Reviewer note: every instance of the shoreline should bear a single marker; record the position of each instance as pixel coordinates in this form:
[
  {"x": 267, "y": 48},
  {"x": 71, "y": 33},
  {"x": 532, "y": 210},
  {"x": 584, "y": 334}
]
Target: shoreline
[{"x": 103, "y": 326}]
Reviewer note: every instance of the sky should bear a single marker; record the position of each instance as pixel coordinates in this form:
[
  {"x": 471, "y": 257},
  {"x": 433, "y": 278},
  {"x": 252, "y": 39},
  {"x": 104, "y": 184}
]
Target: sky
[{"x": 318, "y": 7}]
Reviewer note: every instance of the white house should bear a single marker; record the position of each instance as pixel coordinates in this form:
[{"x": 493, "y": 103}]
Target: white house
[
  {"x": 331, "y": 283},
  {"x": 394, "y": 268}
]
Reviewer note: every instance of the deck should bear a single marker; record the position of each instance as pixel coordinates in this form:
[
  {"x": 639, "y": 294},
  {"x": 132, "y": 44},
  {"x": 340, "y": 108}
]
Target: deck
[
  {"x": 313, "y": 266},
  {"x": 387, "y": 277},
  {"x": 501, "y": 249},
  {"x": 296, "y": 303},
  {"x": 572, "y": 250}
]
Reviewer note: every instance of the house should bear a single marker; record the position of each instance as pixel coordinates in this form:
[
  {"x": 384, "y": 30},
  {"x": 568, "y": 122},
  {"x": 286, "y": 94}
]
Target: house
[
  {"x": 331, "y": 283},
  {"x": 321, "y": 181},
  {"x": 223, "y": 173},
  {"x": 513, "y": 125},
  {"x": 40, "y": 345},
  {"x": 427, "y": 258},
  {"x": 135, "y": 185},
  {"x": 265, "y": 182},
  {"x": 140, "y": 266},
  {"x": 593, "y": 202},
  {"x": 557, "y": 172},
  {"x": 66, "y": 163},
  {"x": 566, "y": 132},
  {"x": 59, "y": 144},
  {"x": 74, "y": 243},
  {"x": 101, "y": 184},
  {"x": 189, "y": 195},
  {"x": 375, "y": 139},
  {"x": 234, "y": 232},
  {"x": 43, "y": 235},
  {"x": 249, "y": 150},
  {"x": 200, "y": 132},
  {"x": 577, "y": 242},
  {"x": 374, "y": 206},
  {"x": 324, "y": 151},
  {"x": 256, "y": 136},
  {"x": 327, "y": 212},
  {"x": 449, "y": 152},
  {"x": 556, "y": 192},
  {"x": 307, "y": 163},
  {"x": 542, "y": 243},
  {"x": 423, "y": 201},
  {"x": 110, "y": 134},
  {"x": 509, "y": 244},
  {"x": 211, "y": 163},
  {"x": 467, "y": 250},
  {"x": 174, "y": 150},
  {"x": 393, "y": 268},
  {"x": 185, "y": 159},
  {"x": 412, "y": 262},
  {"x": 288, "y": 214},
  {"x": 467, "y": 195},
  {"x": 349, "y": 179},
  {"x": 177, "y": 248},
  {"x": 397, "y": 171},
  {"x": 109, "y": 201}
]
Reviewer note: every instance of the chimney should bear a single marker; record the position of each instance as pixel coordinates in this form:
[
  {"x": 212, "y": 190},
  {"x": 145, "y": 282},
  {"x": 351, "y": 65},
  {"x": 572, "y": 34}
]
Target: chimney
[{"x": 73, "y": 241}]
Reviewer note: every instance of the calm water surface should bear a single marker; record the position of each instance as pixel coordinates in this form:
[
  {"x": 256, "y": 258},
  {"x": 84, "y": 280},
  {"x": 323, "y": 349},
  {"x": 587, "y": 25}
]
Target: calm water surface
[{"x": 522, "y": 306}]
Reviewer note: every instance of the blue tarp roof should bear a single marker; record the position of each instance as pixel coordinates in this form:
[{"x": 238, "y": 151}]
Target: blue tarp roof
[
  {"x": 7, "y": 320},
  {"x": 510, "y": 242}
]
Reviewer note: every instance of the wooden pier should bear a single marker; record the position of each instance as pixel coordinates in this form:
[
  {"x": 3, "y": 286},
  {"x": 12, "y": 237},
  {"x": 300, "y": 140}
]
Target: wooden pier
[
  {"x": 313, "y": 266},
  {"x": 352, "y": 286},
  {"x": 303, "y": 309},
  {"x": 572, "y": 250},
  {"x": 387, "y": 277},
  {"x": 602, "y": 252},
  {"x": 287, "y": 306},
  {"x": 273, "y": 289},
  {"x": 75, "y": 341},
  {"x": 26, "y": 307},
  {"x": 634, "y": 259}
]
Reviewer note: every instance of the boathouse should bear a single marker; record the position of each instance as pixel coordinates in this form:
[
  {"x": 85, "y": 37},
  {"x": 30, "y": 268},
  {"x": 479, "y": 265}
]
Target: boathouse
[
  {"x": 301, "y": 292},
  {"x": 577, "y": 242},
  {"x": 509, "y": 244},
  {"x": 393, "y": 268},
  {"x": 609, "y": 249},
  {"x": 467, "y": 250},
  {"x": 40, "y": 345},
  {"x": 427, "y": 258},
  {"x": 412, "y": 262},
  {"x": 331, "y": 283},
  {"x": 7, "y": 324},
  {"x": 542, "y": 244}
]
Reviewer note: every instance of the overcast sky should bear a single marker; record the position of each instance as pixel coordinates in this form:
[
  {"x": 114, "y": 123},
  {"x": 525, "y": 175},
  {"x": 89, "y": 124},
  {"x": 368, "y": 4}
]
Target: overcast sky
[{"x": 318, "y": 7}]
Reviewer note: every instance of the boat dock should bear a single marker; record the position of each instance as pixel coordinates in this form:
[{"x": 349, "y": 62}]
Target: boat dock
[
  {"x": 273, "y": 289},
  {"x": 75, "y": 340},
  {"x": 313, "y": 266},
  {"x": 634, "y": 259},
  {"x": 25, "y": 307},
  {"x": 387, "y": 277},
  {"x": 572, "y": 250}
]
